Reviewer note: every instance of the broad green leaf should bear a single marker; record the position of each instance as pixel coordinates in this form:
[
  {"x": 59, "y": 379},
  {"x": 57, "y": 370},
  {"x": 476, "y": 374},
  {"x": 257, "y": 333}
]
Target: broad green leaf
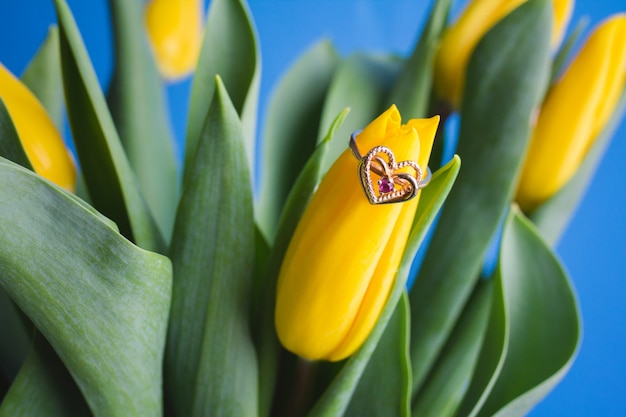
[
  {"x": 385, "y": 386},
  {"x": 229, "y": 50},
  {"x": 100, "y": 301},
  {"x": 43, "y": 387},
  {"x": 211, "y": 366},
  {"x": 292, "y": 129},
  {"x": 361, "y": 82},
  {"x": 43, "y": 77},
  {"x": 492, "y": 353},
  {"x": 547, "y": 335},
  {"x": 336, "y": 397},
  {"x": 553, "y": 216},
  {"x": 509, "y": 65},
  {"x": 449, "y": 379},
  {"x": 266, "y": 339},
  {"x": 411, "y": 91},
  {"x": 136, "y": 100},
  {"x": 110, "y": 179}
]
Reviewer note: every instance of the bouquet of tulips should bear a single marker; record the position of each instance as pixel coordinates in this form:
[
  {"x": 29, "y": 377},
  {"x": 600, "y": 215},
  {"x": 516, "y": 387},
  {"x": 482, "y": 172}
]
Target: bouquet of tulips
[{"x": 368, "y": 273}]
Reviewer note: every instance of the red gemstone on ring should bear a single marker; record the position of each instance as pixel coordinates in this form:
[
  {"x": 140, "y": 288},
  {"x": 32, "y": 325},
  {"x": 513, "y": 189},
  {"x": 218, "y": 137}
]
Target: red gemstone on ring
[{"x": 385, "y": 185}]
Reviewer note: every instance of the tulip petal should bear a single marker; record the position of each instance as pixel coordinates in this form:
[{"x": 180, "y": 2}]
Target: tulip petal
[
  {"x": 574, "y": 112},
  {"x": 41, "y": 140},
  {"x": 175, "y": 31},
  {"x": 337, "y": 395}
]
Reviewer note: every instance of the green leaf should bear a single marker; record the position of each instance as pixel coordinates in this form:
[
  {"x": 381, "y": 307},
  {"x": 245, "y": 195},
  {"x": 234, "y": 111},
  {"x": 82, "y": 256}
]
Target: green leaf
[
  {"x": 110, "y": 179},
  {"x": 266, "y": 339},
  {"x": 100, "y": 301},
  {"x": 450, "y": 377},
  {"x": 553, "y": 216},
  {"x": 229, "y": 50},
  {"x": 43, "y": 387},
  {"x": 361, "y": 83},
  {"x": 136, "y": 101},
  {"x": 211, "y": 367},
  {"x": 337, "y": 396},
  {"x": 542, "y": 340},
  {"x": 385, "y": 386},
  {"x": 10, "y": 145},
  {"x": 291, "y": 129},
  {"x": 43, "y": 77},
  {"x": 411, "y": 91},
  {"x": 508, "y": 66}
]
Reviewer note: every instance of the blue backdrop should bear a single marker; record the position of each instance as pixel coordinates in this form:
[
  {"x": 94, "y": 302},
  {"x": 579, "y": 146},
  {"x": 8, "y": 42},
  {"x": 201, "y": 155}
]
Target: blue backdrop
[{"x": 594, "y": 247}]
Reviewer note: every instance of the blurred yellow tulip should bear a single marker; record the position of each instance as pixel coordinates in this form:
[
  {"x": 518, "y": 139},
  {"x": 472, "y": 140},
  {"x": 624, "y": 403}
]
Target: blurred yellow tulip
[
  {"x": 459, "y": 40},
  {"x": 40, "y": 138},
  {"x": 342, "y": 259},
  {"x": 574, "y": 112},
  {"x": 175, "y": 32}
]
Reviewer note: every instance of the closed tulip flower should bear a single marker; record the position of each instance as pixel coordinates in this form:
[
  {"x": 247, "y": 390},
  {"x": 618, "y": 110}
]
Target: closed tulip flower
[
  {"x": 175, "y": 33},
  {"x": 40, "y": 138},
  {"x": 460, "y": 39},
  {"x": 575, "y": 111},
  {"x": 342, "y": 259}
]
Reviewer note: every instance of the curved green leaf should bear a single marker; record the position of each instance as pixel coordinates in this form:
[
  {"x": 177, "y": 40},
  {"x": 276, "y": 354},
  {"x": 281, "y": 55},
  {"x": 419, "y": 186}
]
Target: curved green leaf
[
  {"x": 361, "y": 82},
  {"x": 135, "y": 98},
  {"x": 450, "y": 377},
  {"x": 43, "y": 77},
  {"x": 384, "y": 389},
  {"x": 553, "y": 216},
  {"x": 336, "y": 397},
  {"x": 266, "y": 339},
  {"x": 508, "y": 66},
  {"x": 547, "y": 335},
  {"x": 291, "y": 130},
  {"x": 100, "y": 301},
  {"x": 411, "y": 91},
  {"x": 229, "y": 50},
  {"x": 110, "y": 179},
  {"x": 211, "y": 367}
]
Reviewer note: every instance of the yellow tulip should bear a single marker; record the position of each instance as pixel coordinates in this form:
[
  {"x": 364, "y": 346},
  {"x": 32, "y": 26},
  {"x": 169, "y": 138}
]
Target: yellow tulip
[
  {"x": 342, "y": 259},
  {"x": 459, "y": 40},
  {"x": 175, "y": 32},
  {"x": 574, "y": 112},
  {"x": 40, "y": 138}
]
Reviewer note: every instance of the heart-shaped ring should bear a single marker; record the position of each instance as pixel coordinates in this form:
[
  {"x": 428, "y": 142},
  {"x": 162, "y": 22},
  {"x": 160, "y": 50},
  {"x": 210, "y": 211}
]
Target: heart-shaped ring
[{"x": 393, "y": 185}]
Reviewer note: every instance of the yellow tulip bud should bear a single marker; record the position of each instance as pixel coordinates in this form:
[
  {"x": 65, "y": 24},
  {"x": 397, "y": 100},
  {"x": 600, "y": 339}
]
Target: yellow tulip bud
[
  {"x": 40, "y": 138},
  {"x": 175, "y": 32},
  {"x": 574, "y": 112},
  {"x": 342, "y": 259},
  {"x": 459, "y": 40}
]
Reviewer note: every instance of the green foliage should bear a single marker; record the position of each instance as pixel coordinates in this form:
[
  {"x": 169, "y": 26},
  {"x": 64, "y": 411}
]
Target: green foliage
[
  {"x": 507, "y": 66},
  {"x": 108, "y": 316}
]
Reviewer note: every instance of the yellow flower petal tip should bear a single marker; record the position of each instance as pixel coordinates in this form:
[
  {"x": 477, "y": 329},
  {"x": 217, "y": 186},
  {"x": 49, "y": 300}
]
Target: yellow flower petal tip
[
  {"x": 460, "y": 39},
  {"x": 574, "y": 113},
  {"x": 174, "y": 30},
  {"x": 342, "y": 259},
  {"x": 40, "y": 138}
]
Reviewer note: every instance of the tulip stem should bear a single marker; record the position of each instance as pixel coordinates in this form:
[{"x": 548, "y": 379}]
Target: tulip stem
[{"x": 303, "y": 387}]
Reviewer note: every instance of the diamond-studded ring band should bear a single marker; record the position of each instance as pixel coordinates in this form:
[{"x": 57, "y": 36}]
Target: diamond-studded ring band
[{"x": 394, "y": 186}]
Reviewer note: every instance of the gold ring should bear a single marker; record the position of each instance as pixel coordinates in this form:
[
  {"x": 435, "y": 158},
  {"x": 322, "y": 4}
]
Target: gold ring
[{"x": 394, "y": 186}]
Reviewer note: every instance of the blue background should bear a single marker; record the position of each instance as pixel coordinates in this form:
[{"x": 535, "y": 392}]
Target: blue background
[{"x": 594, "y": 247}]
